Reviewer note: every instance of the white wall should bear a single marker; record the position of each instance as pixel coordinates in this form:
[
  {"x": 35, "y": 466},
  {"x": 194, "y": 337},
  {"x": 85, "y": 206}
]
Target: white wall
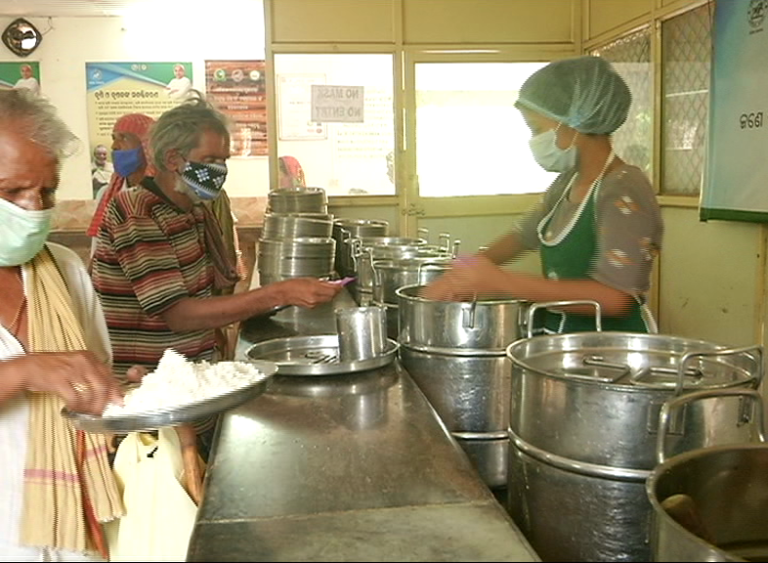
[{"x": 229, "y": 29}]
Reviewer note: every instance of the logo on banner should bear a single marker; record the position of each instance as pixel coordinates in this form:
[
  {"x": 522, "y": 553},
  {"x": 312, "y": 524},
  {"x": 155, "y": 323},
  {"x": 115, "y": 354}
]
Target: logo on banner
[{"x": 756, "y": 14}]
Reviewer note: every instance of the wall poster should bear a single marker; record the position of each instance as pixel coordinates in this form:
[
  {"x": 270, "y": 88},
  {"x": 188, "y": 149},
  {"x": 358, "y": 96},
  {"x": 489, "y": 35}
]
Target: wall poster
[
  {"x": 115, "y": 89},
  {"x": 238, "y": 89},
  {"x": 20, "y": 75},
  {"x": 735, "y": 187}
]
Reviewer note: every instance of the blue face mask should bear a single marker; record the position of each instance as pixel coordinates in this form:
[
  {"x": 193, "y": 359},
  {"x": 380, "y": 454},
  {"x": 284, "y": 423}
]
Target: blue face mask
[
  {"x": 22, "y": 233},
  {"x": 127, "y": 161},
  {"x": 204, "y": 179}
]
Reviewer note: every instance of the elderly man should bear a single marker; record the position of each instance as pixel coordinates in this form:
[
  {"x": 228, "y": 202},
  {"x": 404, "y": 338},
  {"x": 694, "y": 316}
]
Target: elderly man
[
  {"x": 101, "y": 168},
  {"x": 54, "y": 351},
  {"x": 160, "y": 257}
]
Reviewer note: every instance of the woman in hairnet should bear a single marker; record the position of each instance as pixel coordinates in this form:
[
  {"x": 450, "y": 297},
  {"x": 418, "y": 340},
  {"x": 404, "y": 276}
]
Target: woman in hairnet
[{"x": 598, "y": 226}]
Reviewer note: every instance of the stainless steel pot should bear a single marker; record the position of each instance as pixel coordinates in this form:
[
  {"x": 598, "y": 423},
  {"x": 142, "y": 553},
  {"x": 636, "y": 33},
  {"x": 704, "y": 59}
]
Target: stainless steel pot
[
  {"x": 345, "y": 229},
  {"x": 710, "y": 504},
  {"x": 455, "y": 352},
  {"x": 391, "y": 275},
  {"x": 584, "y": 417},
  {"x": 469, "y": 393},
  {"x": 482, "y": 327}
]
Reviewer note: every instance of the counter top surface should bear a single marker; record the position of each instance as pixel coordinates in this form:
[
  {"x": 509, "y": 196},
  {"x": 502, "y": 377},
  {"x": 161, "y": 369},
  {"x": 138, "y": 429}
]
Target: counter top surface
[{"x": 350, "y": 467}]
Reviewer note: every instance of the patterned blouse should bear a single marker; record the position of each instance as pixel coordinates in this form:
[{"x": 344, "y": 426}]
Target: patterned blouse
[{"x": 630, "y": 226}]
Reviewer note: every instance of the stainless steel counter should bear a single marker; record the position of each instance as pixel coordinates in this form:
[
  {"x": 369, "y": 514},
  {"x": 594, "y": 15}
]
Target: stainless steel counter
[{"x": 352, "y": 467}]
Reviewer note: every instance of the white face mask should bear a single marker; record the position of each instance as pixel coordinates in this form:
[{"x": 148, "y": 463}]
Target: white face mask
[
  {"x": 22, "y": 233},
  {"x": 549, "y": 156}
]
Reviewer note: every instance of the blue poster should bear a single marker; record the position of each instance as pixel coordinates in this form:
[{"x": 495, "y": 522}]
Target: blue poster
[
  {"x": 736, "y": 182},
  {"x": 115, "y": 89}
]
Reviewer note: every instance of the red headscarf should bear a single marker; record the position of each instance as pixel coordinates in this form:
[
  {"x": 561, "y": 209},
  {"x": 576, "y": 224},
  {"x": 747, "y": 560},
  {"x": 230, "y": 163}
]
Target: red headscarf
[
  {"x": 138, "y": 124},
  {"x": 294, "y": 174}
]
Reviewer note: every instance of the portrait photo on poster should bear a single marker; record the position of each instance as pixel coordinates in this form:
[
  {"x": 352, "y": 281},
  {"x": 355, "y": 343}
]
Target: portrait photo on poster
[{"x": 20, "y": 75}]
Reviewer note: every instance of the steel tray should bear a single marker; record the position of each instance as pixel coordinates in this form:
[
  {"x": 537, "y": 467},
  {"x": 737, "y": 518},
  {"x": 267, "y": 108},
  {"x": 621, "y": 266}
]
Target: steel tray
[
  {"x": 314, "y": 355},
  {"x": 152, "y": 420}
]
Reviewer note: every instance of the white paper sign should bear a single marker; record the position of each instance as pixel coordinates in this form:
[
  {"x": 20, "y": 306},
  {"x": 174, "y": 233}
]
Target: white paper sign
[{"x": 344, "y": 104}]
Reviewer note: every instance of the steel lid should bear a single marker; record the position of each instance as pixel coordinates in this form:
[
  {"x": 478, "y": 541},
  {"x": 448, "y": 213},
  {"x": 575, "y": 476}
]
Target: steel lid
[{"x": 637, "y": 360}]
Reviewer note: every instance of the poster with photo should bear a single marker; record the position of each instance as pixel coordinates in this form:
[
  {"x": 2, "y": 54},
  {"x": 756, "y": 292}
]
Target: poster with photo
[
  {"x": 20, "y": 75},
  {"x": 238, "y": 90},
  {"x": 115, "y": 89}
]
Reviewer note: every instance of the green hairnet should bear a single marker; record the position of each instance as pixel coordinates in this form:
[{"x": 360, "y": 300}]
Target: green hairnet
[{"x": 585, "y": 93}]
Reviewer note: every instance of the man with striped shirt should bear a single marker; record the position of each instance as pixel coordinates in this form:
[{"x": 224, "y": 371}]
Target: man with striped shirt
[{"x": 160, "y": 252}]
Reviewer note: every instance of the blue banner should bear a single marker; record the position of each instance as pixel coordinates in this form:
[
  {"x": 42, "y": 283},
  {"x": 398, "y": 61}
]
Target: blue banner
[{"x": 736, "y": 182}]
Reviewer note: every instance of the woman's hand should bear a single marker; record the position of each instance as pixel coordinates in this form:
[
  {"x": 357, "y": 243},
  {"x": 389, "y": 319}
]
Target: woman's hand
[
  {"x": 468, "y": 277},
  {"x": 84, "y": 383}
]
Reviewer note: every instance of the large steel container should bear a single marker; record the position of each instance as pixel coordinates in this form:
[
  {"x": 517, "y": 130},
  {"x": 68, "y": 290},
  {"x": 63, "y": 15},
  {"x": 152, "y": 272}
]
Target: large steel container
[
  {"x": 391, "y": 275},
  {"x": 345, "y": 229},
  {"x": 456, "y": 354},
  {"x": 584, "y": 415},
  {"x": 710, "y": 504},
  {"x": 484, "y": 327}
]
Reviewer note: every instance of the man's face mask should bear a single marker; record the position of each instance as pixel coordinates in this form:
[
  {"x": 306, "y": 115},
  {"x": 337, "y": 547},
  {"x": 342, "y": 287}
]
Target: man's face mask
[
  {"x": 127, "y": 161},
  {"x": 22, "y": 233},
  {"x": 204, "y": 179},
  {"x": 551, "y": 157}
]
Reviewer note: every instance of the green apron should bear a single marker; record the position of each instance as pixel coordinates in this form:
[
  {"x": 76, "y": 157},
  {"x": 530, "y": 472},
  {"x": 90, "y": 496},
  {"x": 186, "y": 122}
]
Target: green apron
[{"x": 571, "y": 256}]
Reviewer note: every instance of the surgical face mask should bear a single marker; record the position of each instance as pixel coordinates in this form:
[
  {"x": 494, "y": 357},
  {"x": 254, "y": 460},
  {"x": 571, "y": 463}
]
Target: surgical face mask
[
  {"x": 204, "y": 179},
  {"x": 549, "y": 156},
  {"x": 22, "y": 233},
  {"x": 127, "y": 161}
]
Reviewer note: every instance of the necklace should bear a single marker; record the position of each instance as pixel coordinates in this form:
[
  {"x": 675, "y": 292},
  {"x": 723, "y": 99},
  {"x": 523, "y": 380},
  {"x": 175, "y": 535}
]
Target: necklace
[{"x": 14, "y": 326}]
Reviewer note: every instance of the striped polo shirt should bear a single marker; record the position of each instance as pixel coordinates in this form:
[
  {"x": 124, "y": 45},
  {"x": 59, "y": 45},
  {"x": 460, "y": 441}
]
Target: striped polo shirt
[{"x": 149, "y": 255}]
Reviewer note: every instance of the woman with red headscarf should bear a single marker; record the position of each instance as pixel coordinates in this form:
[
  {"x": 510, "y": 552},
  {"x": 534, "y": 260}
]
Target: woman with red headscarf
[
  {"x": 130, "y": 157},
  {"x": 290, "y": 173}
]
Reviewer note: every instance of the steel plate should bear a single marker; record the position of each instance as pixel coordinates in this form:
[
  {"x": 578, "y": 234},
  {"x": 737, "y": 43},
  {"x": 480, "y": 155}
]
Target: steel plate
[
  {"x": 152, "y": 420},
  {"x": 314, "y": 355}
]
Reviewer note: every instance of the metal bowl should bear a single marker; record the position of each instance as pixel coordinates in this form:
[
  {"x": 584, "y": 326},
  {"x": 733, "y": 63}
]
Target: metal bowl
[{"x": 152, "y": 420}]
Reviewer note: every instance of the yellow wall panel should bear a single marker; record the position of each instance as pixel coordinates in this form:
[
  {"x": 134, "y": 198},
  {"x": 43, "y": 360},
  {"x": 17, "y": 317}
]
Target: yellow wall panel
[
  {"x": 489, "y": 21},
  {"x": 709, "y": 275},
  {"x": 605, "y": 15},
  {"x": 333, "y": 21}
]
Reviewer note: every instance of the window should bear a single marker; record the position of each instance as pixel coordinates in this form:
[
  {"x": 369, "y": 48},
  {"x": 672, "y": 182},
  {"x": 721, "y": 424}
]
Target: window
[
  {"x": 343, "y": 158},
  {"x": 631, "y": 57},
  {"x": 470, "y": 138},
  {"x": 687, "y": 45}
]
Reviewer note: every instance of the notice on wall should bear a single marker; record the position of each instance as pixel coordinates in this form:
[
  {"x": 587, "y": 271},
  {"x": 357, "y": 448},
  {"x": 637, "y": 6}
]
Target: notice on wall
[
  {"x": 373, "y": 138},
  {"x": 20, "y": 75},
  {"x": 238, "y": 89},
  {"x": 338, "y": 104},
  {"x": 735, "y": 185},
  {"x": 294, "y": 101},
  {"x": 115, "y": 89}
]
